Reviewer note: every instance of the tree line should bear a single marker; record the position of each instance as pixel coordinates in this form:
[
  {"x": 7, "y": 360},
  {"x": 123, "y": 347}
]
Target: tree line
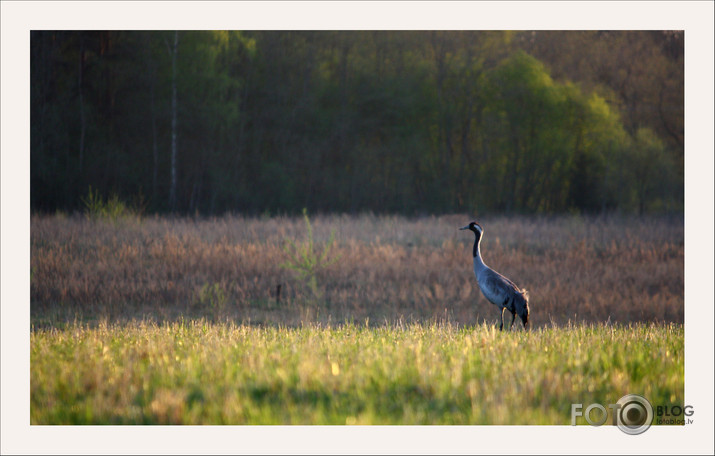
[{"x": 345, "y": 121}]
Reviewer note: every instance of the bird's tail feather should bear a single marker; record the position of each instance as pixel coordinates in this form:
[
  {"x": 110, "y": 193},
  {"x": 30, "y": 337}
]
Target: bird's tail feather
[
  {"x": 525, "y": 294},
  {"x": 524, "y": 312}
]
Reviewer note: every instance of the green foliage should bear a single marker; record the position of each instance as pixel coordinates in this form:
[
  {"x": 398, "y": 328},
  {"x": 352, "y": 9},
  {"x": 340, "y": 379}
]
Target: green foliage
[
  {"x": 213, "y": 297},
  {"x": 112, "y": 209},
  {"x": 345, "y": 121},
  {"x": 306, "y": 258},
  {"x": 649, "y": 171},
  {"x": 197, "y": 372}
]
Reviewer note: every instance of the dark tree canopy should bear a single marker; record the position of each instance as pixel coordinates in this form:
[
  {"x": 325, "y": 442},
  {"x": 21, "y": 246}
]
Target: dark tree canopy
[{"x": 342, "y": 121}]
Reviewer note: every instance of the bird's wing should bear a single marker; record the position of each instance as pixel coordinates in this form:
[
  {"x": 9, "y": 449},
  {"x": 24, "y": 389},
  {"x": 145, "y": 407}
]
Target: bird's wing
[
  {"x": 509, "y": 283},
  {"x": 495, "y": 286}
]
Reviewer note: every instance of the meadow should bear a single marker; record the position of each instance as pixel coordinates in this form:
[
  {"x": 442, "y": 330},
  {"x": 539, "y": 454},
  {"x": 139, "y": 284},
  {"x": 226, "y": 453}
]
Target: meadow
[
  {"x": 199, "y": 372},
  {"x": 348, "y": 320},
  {"x": 387, "y": 268}
]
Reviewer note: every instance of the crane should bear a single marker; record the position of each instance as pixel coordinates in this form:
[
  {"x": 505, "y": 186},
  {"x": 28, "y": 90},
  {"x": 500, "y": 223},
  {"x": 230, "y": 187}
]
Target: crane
[{"x": 498, "y": 290}]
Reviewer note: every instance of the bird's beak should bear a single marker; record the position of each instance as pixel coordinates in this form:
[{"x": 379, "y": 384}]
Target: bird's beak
[{"x": 464, "y": 227}]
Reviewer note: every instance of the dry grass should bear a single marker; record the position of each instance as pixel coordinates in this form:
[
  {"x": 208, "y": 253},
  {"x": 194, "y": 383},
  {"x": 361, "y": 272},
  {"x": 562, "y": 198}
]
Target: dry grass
[{"x": 391, "y": 268}]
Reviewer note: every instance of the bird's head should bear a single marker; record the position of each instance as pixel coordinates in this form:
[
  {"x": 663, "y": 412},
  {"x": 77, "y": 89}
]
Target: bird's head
[{"x": 474, "y": 226}]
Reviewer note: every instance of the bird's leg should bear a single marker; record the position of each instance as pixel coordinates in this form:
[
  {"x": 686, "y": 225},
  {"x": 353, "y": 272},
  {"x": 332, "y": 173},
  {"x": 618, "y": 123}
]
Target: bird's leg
[
  {"x": 501, "y": 319},
  {"x": 513, "y": 316}
]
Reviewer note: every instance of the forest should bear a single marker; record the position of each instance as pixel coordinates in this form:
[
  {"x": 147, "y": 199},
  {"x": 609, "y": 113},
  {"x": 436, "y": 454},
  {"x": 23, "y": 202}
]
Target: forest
[{"x": 408, "y": 122}]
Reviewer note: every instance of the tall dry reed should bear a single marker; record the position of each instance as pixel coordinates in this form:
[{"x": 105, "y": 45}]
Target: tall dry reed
[{"x": 390, "y": 268}]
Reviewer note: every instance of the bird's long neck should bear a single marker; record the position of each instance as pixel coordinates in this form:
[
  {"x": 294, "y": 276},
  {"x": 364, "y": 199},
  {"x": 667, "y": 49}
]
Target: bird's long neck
[{"x": 476, "y": 252}]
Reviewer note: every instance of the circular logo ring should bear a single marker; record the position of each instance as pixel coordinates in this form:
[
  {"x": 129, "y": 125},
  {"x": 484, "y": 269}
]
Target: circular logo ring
[{"x": 635, "y": 414}]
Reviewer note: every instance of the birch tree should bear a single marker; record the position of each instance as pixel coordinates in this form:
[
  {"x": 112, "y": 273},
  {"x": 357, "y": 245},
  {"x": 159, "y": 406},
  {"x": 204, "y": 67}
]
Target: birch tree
[{"x": 173, "y": 51}]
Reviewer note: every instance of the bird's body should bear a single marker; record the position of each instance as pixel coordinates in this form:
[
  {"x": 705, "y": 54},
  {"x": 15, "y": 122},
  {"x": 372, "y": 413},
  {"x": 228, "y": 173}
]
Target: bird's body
[{"x": 498, "y": 290}]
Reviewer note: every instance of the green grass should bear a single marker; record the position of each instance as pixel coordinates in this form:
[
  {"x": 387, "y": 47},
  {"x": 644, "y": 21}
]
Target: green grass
[{"x": 197, "y": 372}]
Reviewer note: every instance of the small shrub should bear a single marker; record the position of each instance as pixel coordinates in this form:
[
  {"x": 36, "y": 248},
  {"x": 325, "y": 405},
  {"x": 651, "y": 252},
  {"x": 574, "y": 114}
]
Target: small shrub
[
  {"x": 113, "y": 209},
  {"x": 306, "y": 260},
  {"x": 212, "y": 296}
]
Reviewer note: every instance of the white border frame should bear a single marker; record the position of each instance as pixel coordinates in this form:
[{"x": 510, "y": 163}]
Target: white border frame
[{"x": 18, "y": 18}]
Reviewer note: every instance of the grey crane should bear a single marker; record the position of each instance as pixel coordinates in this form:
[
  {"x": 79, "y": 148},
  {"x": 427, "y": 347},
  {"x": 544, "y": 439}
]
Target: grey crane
[{"x": 498, "y": 290}]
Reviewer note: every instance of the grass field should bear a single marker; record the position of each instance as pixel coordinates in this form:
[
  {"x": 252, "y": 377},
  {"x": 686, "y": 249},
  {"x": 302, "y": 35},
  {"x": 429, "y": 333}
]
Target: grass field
[
  {"x": 389, "y": 268},
  {"x": 180, "y": 320},
  {"x": 219, "y": 373}
]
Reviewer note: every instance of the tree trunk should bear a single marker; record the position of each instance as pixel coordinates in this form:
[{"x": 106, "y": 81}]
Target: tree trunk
[
  {"x": 152, "y": 95},
  {"x": 172, "y": 188},
  {"x": 155, "y": 147},
  {"x": 83, "y": 121}
]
